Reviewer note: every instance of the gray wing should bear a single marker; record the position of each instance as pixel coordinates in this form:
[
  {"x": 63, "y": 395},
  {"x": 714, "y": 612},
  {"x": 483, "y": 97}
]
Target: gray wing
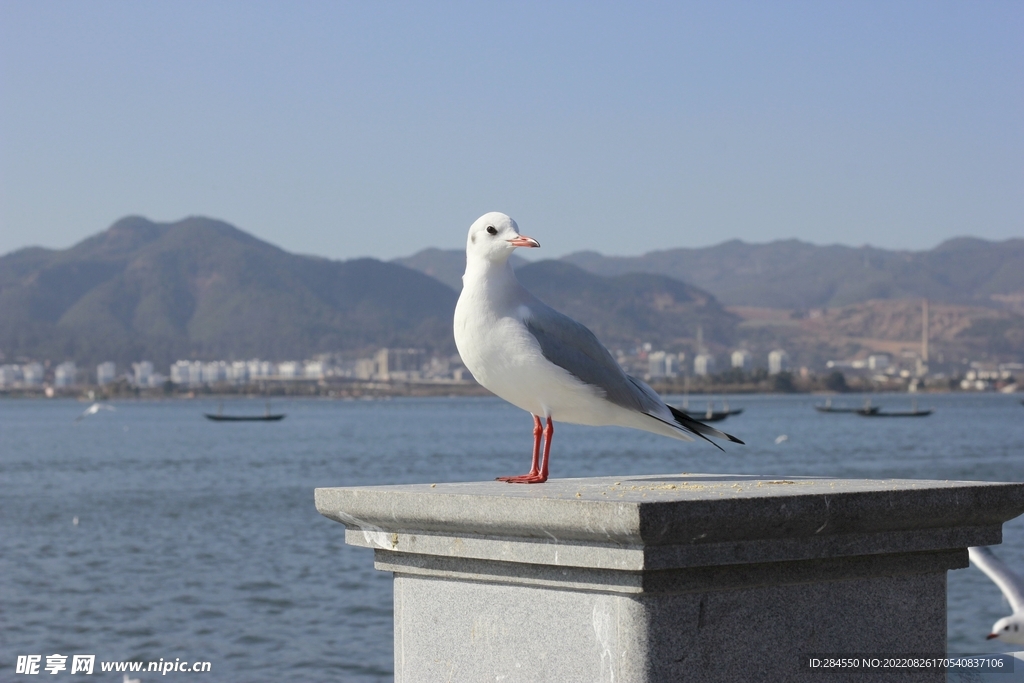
[
  {"x": 1009, "y": 583},
  {"x": 574, "y": 348}
]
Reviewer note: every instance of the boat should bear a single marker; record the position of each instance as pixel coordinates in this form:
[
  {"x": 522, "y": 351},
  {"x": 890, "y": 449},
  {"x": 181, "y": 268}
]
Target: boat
[
  {"x": 219, "y": 416},
  {"x": 711, "y": 415},
  {"x": 829, "y": 408},
  {"x": 913, "y": 412}
]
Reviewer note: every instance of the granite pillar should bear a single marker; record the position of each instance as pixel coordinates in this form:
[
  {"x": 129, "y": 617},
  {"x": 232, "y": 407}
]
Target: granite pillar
[{"x": 683, "y": 577}]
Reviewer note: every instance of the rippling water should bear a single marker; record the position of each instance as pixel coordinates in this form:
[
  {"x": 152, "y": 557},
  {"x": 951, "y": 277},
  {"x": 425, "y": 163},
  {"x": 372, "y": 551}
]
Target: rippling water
[{"x": 199, "y": 540}]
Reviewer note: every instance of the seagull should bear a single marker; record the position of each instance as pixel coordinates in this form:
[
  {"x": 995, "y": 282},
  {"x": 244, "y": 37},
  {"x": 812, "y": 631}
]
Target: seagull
[
  {"x": 1008, "y": 629},
  {"x": 544, "y": 362},
  {"x": 93, "y": 409}
]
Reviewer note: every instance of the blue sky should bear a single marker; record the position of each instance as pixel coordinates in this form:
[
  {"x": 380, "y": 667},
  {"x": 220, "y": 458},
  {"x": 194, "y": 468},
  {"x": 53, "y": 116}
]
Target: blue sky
[{"x": 349, "y": 129}]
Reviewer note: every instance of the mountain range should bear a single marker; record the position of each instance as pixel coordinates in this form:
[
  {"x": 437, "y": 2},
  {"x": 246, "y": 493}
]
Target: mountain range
[
  {"x": 797, "y": 275},
  {"x": 202, "y": 289}
]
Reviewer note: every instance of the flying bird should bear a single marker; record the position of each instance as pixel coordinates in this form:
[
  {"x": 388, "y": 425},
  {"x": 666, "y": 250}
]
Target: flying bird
[
  {"x": 1008, "y": 629},
  {"x": 542, "y": 361},
  {"x": 93, "y": 409}
]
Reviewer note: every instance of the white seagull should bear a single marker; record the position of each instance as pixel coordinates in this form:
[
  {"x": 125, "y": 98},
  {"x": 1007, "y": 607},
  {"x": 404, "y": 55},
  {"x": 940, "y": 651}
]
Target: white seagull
[
  {"x": 93, "y": 409},
  {"x": 542, "y": 361},
  {"x": 1008, "y": 629}
]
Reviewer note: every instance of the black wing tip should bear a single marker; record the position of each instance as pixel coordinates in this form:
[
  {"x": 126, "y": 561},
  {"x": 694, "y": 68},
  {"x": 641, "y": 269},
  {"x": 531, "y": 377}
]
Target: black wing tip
[{"x": 702, "y": 430}]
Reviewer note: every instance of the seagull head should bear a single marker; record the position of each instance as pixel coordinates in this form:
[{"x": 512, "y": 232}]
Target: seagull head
[
  {"x": 494, "y": 236},
  {"x": 1009, "y": 629}
]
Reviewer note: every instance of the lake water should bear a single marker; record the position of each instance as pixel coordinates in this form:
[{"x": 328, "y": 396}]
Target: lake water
[{"x": 200, "y": 541}]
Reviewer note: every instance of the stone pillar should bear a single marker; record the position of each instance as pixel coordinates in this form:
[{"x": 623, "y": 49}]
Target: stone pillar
[{"x": 684, "y": 577}]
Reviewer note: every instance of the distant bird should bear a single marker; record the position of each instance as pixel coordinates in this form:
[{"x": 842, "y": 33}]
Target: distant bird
[
  {"x": 781, "y": 438},
  {"x": 93, "y": 409},
  {"x": 542, "y": 361},
  {"x": 1008, "y": 629}
]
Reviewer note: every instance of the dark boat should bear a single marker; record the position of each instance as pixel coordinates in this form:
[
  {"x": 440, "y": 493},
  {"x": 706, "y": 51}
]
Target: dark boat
[
  {"x": 913, "y": 412},
  {"x": 219, "y": 416},
  {"x": 867, "y": 409},
  {"x": 712, "y": 415}
]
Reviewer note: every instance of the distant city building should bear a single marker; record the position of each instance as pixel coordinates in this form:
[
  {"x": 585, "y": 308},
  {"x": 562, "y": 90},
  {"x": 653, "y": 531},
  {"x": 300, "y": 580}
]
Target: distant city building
[
  {"x": 661, "y": 364},
  {"x": 313, "y": 369},
  {"x": 105, "y": 373},
  {"x": 238, "y": 372},
  {"x": 703, "y": 364},
  {"x": 32, "y": 374},
  {"x": 65, "y": 375},
  {"x": 399, "y": 364},
  {"x": 741, "y": 359},
  {"x": 365, "y": 368},
  {"x": 10, "y": 376},
  {"x": 142, "y": 373},
  {"x": 189, "y": 373},
  {"x": 290, "y": 369},
  {"x": 778, "y": 361},
  {"x": 214, "y": 372},
  {"x": 878, "y": 362}
]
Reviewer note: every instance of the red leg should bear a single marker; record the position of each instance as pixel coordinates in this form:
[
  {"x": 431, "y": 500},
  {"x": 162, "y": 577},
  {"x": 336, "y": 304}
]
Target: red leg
[{"x": 536, "y": 475}]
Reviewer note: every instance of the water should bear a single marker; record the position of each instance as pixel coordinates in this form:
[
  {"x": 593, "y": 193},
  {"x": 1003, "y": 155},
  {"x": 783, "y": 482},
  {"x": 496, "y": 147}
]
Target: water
[{"x": 199, "y": 540}]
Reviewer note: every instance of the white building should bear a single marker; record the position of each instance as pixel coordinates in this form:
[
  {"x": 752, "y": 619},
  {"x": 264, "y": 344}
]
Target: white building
[
  {"x": 142, "y": 373},
  {"x": 662, "y": 364},
  {"x": 878, "y": 362},
  {"x": 290, "y": 369},
  {"x": 214, "y": 372},
  {"x": 778, "y": 361},
  {"x": 10, "y": 375},
  {"x": 741, "y": 359},
  {"x": 399, "y": 364},
  {"x": 105, "y": 373},
  {"x": 65, "y": 375},
  {"x": 703, "y": 364},
  {"x": 32, "y": 374},
  {"x": 238, "y": 372},
  {"x": 189, "y": 373},
  {"x": 314, "y": 369}
]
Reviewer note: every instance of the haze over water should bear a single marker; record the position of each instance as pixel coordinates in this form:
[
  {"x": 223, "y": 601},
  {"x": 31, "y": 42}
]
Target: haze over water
[{"x": 200, "y": 541}]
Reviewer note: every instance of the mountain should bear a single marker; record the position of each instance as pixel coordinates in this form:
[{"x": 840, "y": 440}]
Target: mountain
[
  {"x": 625, "y": 310},
  {"x": 200, "y": 288},
  {"x": 446, "y": 265},
  {"x": 798, "y": 275}
]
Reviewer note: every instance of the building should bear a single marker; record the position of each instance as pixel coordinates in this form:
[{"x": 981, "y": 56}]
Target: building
[
  {"x": 703, "y": 364},
  {"x": 10, "y": 375},
  {"x": 65, "y": 375},
  {"x": 142, "y": 373},
  {"x": 189, "y": 373},
  {"x": 105, "y": 373},
  {"x": 878, "y": 362},
  {"x": 661, "y": 364},
  {"x": 778, "y": 361},
  {"x": 32, "y": 374},
  {"x": 741, "y": 359},
  {"x": 399, "y": 364}
]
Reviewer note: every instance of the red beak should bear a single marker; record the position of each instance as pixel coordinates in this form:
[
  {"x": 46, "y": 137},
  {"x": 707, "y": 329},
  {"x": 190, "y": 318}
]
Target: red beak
[
  {"x": 524, "y": 241},
  {"x": 991, "y": 636}
]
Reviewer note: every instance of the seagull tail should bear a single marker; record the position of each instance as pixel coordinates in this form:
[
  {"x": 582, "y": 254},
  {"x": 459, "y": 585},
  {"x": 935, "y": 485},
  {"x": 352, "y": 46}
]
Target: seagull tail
[{"x": 700, "y": 429}]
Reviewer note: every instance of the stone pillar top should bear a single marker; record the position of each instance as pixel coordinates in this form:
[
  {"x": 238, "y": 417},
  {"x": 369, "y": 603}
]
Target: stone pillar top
[{"x": 668, "y": 521}]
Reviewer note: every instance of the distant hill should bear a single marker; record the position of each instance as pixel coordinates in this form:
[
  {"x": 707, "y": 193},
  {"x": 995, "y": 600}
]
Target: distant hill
[
  {"x": 446, "y": 265},
  {"x": 625, "y": 310},
  {"x": 200, "y": 288},
  {"x": 797, "y": 275}
]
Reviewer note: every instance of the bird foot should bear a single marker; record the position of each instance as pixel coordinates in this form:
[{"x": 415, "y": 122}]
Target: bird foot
[{"x": 532, "y": 478}]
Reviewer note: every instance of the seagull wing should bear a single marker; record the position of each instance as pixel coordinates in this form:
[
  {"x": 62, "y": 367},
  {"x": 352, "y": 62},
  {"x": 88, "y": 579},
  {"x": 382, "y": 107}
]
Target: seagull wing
[
  {"x": 1009, "y": 583},
  {"x": 574, "y": 348}
]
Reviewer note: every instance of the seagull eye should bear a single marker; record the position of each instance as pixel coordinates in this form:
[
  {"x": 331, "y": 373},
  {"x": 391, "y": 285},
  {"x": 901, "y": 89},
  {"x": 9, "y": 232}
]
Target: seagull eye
[{"x": 491, "y": 230}]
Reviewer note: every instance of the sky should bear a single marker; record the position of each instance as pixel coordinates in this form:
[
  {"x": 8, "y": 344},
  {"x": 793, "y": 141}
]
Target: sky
[{"x": 349, "y": 129}]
